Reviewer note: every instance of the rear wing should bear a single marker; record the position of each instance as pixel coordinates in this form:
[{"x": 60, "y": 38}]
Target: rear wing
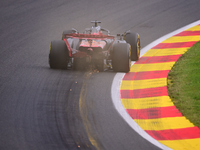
[{"x": 89, "y": 36}]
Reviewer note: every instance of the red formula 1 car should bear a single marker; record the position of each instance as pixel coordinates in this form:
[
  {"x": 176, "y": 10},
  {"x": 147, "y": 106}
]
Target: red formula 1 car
[{"x": 95, "y": 47}]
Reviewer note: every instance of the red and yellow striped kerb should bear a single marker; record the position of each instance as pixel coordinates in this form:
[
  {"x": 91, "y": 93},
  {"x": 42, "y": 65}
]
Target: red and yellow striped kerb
[{"x": 145, "y": 97}]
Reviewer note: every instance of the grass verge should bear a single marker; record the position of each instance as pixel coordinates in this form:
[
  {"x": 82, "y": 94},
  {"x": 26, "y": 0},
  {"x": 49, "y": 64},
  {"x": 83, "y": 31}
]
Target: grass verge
[{"x": 184, "y": 84}]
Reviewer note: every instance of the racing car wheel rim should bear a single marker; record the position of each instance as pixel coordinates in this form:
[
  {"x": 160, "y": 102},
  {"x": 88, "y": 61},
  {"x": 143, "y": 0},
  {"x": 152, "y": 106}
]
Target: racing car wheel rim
[{"x": 138, "y": 46}]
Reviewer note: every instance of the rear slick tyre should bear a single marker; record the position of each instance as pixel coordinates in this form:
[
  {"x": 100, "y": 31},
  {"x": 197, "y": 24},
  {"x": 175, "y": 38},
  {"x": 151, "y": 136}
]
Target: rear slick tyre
[
  {"x": 121, "y": 60},
  {"x": 134, "y": 40},
  {"x": 58, "y": 55}
]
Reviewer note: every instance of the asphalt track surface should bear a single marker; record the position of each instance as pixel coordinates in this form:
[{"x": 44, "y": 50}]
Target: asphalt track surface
[{"x": 49, "y": 109}]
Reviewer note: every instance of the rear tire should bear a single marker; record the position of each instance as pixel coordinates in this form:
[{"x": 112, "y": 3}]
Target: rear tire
[
  {"x": 58, "y": 55},
  {"x": 121, "y": 58},
  {"x": 134, "y": 40}
]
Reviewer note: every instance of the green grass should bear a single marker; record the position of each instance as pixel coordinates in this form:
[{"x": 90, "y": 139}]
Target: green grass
[{"x": 184, "y": 84}]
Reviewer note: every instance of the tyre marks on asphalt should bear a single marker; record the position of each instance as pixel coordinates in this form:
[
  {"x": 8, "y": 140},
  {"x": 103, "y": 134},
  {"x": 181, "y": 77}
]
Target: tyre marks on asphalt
[{"x": 144, "y": 93}]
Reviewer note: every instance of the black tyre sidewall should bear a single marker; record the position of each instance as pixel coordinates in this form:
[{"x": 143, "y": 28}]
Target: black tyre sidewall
[
  {"x": 133, "y": 39},
  {"x": 121, "y": 57},
  {"x": 58, "y": 55}
]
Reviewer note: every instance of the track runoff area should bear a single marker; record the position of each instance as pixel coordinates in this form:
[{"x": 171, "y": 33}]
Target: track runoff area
[{"x": 141, "y": 96}]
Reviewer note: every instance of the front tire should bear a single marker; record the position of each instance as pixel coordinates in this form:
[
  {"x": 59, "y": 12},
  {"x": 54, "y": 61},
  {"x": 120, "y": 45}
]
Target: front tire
[
  {"x": 134, "y": 40},
  {"x": 58, "y": 55},
  {"x": 121, "y": 58}
]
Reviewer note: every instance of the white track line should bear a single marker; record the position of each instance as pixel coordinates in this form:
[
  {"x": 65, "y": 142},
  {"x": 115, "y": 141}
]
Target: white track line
[{"x": 115, "y": 90}]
